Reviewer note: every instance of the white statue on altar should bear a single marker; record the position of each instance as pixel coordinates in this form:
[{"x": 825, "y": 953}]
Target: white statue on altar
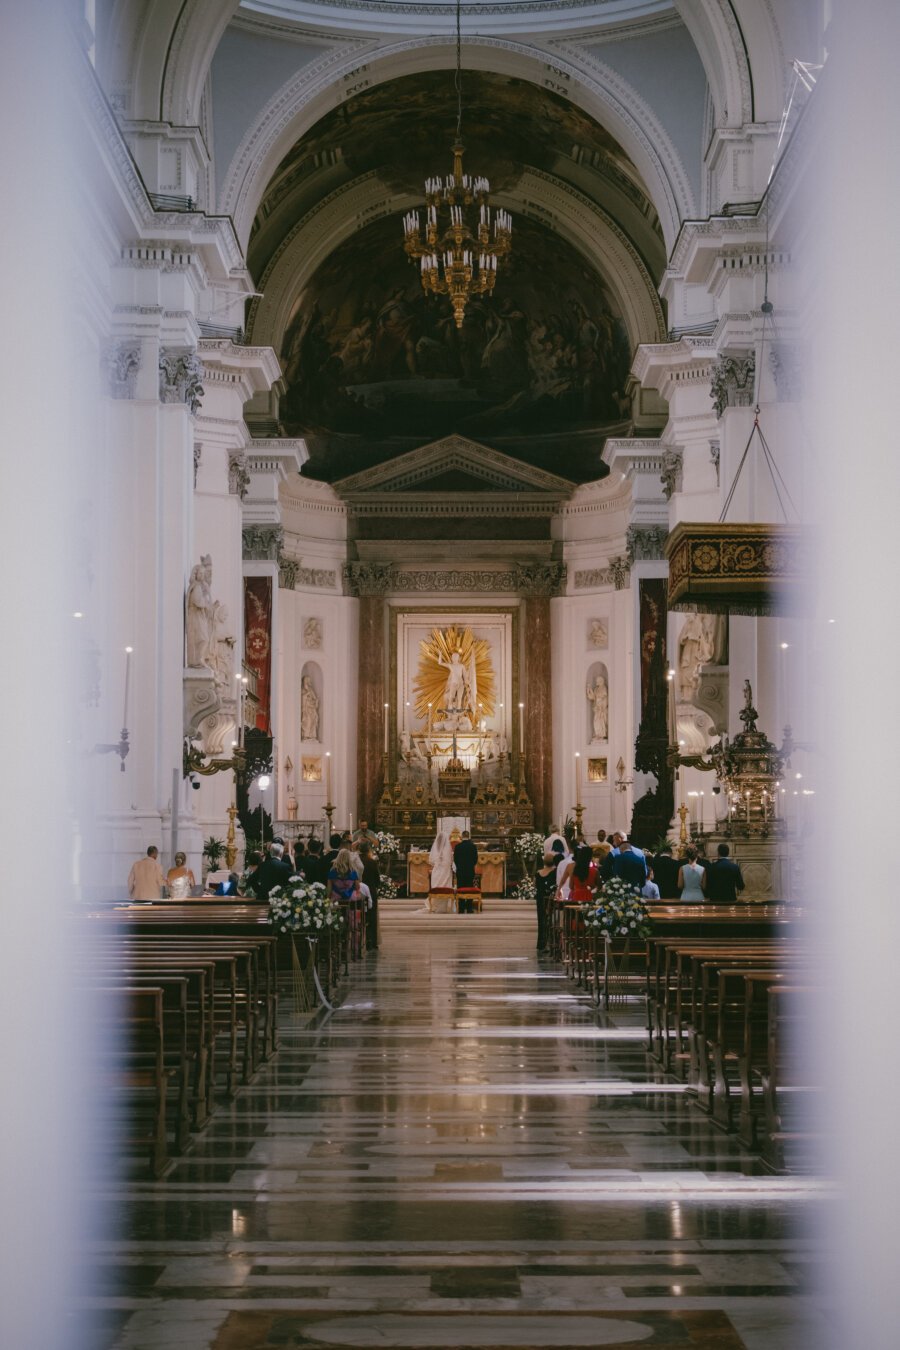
[{"x": 455, "y": 688}]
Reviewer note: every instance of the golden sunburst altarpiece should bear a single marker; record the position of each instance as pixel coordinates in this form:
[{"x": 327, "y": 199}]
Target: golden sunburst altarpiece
[{"x": 478, "y": 683}]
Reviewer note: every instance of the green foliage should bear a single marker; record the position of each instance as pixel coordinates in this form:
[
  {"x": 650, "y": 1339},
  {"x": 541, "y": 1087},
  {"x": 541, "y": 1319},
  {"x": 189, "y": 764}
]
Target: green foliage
[{"x": 213, "y": 851}]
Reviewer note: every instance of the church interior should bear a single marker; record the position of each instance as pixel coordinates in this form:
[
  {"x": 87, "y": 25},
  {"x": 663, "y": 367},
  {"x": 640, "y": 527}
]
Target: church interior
[{"x": 460, "y": 427}]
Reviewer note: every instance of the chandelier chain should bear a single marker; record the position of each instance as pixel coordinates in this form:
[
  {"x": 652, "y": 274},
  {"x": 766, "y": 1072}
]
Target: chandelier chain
[{"x": 458, "y": 76}]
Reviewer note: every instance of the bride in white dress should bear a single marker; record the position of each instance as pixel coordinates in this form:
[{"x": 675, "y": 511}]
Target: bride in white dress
[
  {"x": 441, "y": 860},
  {"x": 180, "y": 879}
]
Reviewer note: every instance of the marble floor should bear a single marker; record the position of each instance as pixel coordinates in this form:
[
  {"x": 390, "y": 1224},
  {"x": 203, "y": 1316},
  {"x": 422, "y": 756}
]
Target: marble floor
[{"x": 464, "y": 1154}]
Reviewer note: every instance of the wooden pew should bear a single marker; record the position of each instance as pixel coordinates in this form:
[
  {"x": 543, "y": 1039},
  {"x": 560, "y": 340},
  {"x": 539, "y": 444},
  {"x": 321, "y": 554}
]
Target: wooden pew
[
  {"x": 786, "y": 1088},
  {"x": 141, "y": 1077}
]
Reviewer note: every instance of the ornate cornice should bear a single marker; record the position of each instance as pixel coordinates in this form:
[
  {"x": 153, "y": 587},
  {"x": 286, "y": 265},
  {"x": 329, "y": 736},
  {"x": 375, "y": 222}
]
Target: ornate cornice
[
  {"x": 262, "y": 543},
  {"x": 453, "y": 453},
  {"x": 617, "y": 574},
  {"x": 292, "y": 573},
  {"x": 526, "y": 579}
]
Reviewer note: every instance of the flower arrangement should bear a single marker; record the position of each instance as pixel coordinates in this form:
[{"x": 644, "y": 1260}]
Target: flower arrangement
[
  {"x": 387, "y": 888},
  {"x": 303, "y": 907},
  {"x": 525, "y": 889},
  {"x": 619, "y": 912},
  {"x": 529, "y": 846},
  {"x": 387, "y": 843}
]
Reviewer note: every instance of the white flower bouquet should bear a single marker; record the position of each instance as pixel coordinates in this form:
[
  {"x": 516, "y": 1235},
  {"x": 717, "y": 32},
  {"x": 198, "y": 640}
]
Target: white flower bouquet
[
  {"x": 525, "y": 889},
  {"x": 619, "y": 912},
  {"x": 529, "y": 846},
  {"x": 387, "y": 843},
  {"x": 303, "y": 907},
  {"x": 387, "y": 888}
]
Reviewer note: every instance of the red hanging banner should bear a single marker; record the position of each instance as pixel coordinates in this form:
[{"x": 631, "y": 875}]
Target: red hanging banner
[{"x": 258, "y": 642}]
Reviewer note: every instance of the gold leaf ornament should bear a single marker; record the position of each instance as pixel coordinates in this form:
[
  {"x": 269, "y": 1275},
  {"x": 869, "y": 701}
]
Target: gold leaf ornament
[{"x": 431, "y": 681}]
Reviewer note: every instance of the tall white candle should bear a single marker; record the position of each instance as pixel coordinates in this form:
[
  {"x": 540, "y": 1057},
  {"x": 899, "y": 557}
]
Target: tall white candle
[
  {"x": 702, "y": 812},
  {"x": 128, "y": 651},
  {"x": 328, "y": 776},
  {"x": 577, "y": 777},
  {"x": 386, "y": 715},
  {"x": 521, "y": 728}
]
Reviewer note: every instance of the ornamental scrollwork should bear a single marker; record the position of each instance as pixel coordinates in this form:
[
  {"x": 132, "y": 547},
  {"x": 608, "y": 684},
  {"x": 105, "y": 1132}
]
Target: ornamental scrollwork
[
  {"x": 645, "y": 543},
  {"x": 122, "y": 361},
  {"x": 733, "y": 382},
  {"x": 180, "y": 377},
  {"x": 238, "y": 474}
]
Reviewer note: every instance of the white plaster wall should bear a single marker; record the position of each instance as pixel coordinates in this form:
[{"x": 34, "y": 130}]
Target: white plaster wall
[
  {"x": 573, "y": 657},
  {"x": 338, "y": 661}
]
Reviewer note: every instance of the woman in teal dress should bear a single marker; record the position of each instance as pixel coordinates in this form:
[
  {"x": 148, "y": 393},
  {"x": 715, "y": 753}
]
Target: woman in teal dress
[{"x": 692, "y": 877}]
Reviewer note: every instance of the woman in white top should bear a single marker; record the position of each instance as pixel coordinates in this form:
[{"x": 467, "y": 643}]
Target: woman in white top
[
  {"x": 691, "y": 876},
  {"x": 180, "y": 879}
]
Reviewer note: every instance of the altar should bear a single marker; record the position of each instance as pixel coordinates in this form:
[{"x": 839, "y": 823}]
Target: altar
[{"x": 491, "y": 864}]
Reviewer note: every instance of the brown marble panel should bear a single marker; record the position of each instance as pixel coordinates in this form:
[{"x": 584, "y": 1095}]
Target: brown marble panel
[
  {"x": 369, "y": 738},
  {"x": 537, "y": 672}
]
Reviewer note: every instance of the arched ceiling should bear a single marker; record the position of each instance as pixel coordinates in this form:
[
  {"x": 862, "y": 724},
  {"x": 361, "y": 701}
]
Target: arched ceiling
[
  {"x": 372, "y": 367},
  {"x": 402, "y": 131},
  {"x": 497, "y": 16}
]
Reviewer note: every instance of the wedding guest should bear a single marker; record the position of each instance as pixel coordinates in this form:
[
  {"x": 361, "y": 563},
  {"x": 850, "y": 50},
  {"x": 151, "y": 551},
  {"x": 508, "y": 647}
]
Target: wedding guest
[
  {"x": 691, "y": 876},
  {"x": 252, "y": 863},
  {"x": 343, "y": 879},
  {"x": 273, "y": 872},
  {"x": 626, "y": 863},
  {"x": 565, "y": 857},
  {"x": 544, "y": 894},
  {"x": 146, "y": 880},
  {"x": 329, "y": 855},
  {"x": 665, "y": 873},
  {"x": 364, "y": 835},
  {"x": 723, "y": 878},
  {"x": 229, "y": 887},
  {"x": 650, "y": 890},
  {"x": 314, "y": 868},
  {"x": 602, "y": 846},
  {"x": 180, "y": 879},
  {"x": 582, "y": 875},
  {"x": 371, "y": 878}
]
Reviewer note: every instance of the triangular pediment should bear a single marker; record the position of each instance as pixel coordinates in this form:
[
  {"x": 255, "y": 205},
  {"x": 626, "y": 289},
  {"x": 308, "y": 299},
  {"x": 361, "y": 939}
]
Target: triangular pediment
[{"x": 454, "y": 465}]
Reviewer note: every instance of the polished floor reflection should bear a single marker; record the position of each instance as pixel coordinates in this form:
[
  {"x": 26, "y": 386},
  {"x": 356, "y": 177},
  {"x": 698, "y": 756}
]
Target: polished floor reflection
[{"x": 464, "y": 1154}]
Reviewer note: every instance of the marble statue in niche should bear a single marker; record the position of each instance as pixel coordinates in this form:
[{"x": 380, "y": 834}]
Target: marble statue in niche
[
  {"x": 598, "y": 633},
  {"x": 312, "y": 634},
  {"x": 199, "y": 613},
  {"x": 598, "y": 697},
  {"x": 309, "y": 710}
]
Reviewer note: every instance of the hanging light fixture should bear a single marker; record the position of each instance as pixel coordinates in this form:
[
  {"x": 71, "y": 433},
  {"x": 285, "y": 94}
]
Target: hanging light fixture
[{"x": 463, "y": 240}]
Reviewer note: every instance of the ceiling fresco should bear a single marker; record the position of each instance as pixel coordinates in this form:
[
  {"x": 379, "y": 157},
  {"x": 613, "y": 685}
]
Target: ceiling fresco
[{"x": 374, "y": 368}]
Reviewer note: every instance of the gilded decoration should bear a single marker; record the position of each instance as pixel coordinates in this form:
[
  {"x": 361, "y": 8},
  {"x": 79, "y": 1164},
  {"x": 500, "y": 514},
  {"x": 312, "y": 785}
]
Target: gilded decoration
[
  {"x": 455, "y": 675},
  {"x": 751, "y": 569}
]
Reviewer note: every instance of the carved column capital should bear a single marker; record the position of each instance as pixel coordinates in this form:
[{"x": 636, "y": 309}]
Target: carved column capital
[
  {"x": 787, "y": 371},
  {"x": 540, "y": 579},
  {"x": 367, "y": 578},
  {"x": 180, "y": 377},
  {"x": 262, "y": 543},
  {"x": 122, "y": 361},
  {"x": 644, "y": 543},
  {"x": 733, "y": 381}
]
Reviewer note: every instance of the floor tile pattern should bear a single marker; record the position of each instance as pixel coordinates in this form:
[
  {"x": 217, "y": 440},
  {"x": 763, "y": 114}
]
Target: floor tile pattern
[{"x": 464, "y": 1154}]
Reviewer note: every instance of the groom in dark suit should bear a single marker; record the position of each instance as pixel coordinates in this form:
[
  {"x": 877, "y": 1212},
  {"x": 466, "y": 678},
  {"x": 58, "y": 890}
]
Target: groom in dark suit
[{"x": 465, "y": 860}]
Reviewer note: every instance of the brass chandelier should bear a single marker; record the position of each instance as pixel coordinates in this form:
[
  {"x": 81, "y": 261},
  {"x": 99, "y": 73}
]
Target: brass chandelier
[{"x": 463, "y": 241}]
